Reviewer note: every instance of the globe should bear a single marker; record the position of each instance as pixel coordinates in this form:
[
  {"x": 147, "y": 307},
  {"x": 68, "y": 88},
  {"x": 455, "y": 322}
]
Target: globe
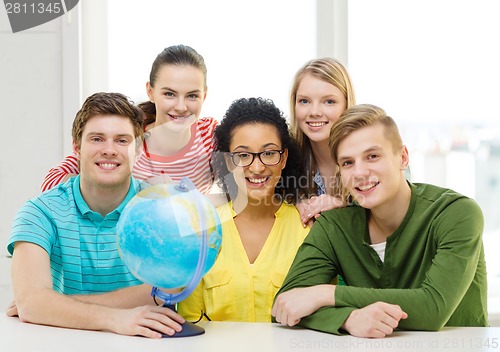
[{"x": 169, "y": 236}]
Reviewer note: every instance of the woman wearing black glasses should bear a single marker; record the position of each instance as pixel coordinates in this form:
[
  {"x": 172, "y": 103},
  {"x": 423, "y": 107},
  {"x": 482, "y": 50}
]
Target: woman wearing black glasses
[{"x": 258, "y": 165}]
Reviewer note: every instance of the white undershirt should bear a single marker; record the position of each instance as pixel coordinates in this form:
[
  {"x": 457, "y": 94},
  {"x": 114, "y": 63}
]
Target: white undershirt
[{"x": 380, "y": 249}]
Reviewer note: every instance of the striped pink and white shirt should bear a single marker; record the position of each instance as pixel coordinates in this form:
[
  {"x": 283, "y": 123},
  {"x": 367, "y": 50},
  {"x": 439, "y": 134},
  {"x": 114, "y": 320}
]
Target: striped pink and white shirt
[{"x": 192, "y": 161}]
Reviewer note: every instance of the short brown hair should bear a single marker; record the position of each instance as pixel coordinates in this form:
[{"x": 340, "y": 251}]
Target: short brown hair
[
  {"x": 359, "y": 116},
  {"x": 107, "y": 104}
]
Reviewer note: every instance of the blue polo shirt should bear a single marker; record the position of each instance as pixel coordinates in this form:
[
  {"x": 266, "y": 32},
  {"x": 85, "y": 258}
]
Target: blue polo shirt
[{"x": 81, "y": 243}]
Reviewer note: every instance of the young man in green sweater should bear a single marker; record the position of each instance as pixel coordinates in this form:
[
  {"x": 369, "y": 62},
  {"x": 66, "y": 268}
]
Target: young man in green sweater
[{"x": 411, "y": 254}]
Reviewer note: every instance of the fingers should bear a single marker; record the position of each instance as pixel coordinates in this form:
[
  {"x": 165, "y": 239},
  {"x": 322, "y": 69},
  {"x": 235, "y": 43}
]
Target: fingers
[
  {"x": 312, "y": 208},
  {"x": 12, "y": 310},
  {"x": 307, "y": 220},
  {"x": 303, "y": 208},
  {"x": 156, "y": 327},
  {"x": 393, "y": 310},
  {"x": 388, "y": 316},
  {"x": 278, "y": 312},
  {"x": 153, "y": 321},
  {"x": 283, "y": 313},
  {"x": 165, "y": 320},
  {"x": 376, "y": 320},
  {"x": 159, "y": 179},
  {"x": 174, "y": 315},
  {"x": 282, "y": 317}
]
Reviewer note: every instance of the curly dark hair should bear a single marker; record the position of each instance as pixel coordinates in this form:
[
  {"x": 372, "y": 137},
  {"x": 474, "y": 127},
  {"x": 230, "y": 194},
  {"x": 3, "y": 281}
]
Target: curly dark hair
[{"x": 257, "y": 111}]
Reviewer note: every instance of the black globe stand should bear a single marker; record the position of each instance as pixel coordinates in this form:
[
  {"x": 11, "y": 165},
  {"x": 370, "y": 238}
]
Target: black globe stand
[{"x": 188, "y": 328}]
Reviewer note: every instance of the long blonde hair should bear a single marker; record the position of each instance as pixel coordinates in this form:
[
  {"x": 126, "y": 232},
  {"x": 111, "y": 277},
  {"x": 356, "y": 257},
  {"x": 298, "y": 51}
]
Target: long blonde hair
[{"x": 333, "y": 72}]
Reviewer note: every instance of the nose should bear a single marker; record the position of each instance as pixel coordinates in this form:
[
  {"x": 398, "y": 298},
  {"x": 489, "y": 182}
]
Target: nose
[
  {"x": 360, "y": 170},
  {"x": 256, "y": 166},
  {"x": 315, "y": 110},
  {"x": 180, "y": 105},
  {"x": 109, "y": 149}
]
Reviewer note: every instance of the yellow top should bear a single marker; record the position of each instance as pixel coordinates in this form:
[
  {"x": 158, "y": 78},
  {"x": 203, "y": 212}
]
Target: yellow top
[{"x": 234, "y": 289}]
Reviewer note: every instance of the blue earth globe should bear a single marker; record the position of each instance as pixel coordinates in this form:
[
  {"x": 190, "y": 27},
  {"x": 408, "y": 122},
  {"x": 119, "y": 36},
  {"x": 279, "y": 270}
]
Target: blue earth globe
[{"x": 169, "y": 236}]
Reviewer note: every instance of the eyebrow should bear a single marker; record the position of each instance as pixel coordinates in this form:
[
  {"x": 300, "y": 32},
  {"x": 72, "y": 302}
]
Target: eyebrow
[
  {"x": 103, "y": 134},
  {"x": 368, "y": 150},
  {"x": 264, "y": 146},
  {"x": 173, "y": 90},
  {"x": 322, "y": 97}
]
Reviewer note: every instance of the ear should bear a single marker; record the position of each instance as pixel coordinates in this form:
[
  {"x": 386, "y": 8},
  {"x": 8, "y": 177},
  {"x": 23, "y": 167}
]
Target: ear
[
  {"x": 405, "y": 159},
  {"x": 149, "y": 90},
  {"x": 284, "y": 158},
  {"x": 205, "y": 95},
  {"x": 76, "y": 150}
]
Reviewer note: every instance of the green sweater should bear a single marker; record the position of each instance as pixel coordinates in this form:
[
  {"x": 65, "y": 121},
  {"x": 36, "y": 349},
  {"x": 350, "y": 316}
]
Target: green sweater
[{"x": 433, "y": 268}]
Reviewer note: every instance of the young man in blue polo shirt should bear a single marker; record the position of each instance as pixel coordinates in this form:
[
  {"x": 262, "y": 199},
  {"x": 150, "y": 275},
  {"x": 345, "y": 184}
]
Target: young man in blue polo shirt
[{"x": 66, "y": 269}]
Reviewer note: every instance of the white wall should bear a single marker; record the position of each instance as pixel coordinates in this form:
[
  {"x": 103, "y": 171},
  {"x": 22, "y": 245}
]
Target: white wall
[
  {"x": 31, "y": 113},
  {"x": 47, "y": 71},
  {"x": 39, "y": 95}
]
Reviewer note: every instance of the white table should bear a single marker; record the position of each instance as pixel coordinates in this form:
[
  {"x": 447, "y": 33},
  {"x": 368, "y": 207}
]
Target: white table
[{"x": 240, "y": 337}]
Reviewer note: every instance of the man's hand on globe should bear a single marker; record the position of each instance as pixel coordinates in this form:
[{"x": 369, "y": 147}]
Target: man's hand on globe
[{"x": 147, "y": 321}]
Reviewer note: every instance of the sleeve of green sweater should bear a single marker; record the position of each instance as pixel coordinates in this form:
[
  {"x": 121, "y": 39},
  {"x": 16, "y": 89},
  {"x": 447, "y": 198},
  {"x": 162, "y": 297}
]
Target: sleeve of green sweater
[
  {"x": 458, "y": 232},
  {"x": 315, "y": 264}
]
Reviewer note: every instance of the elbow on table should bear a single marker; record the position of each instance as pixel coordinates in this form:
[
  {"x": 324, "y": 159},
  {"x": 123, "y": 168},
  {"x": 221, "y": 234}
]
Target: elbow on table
[
  {"x": 27, "y": 311},
  {"x": 430, "y": 324},
  {"x": 25, "y": 314},
  {"x": 434, "y": 326}
]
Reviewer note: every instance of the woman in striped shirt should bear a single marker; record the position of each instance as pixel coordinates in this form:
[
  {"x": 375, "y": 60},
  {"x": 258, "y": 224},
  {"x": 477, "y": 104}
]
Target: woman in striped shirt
[{"x": 177, "y": 142}]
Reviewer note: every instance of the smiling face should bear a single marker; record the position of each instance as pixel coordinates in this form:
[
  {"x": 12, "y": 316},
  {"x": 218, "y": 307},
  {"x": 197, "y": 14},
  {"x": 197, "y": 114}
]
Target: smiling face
[
  {"x": 107, "y": 151},
  {"x": 178, "y": 94},
  {"x": 257, "y": 181},
  {"x": 372, "y": 167},
  {"x": 318, "y": 106}
]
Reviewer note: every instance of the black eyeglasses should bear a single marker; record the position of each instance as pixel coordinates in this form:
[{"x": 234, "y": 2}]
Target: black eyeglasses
[{"x": 267, "y": 157}]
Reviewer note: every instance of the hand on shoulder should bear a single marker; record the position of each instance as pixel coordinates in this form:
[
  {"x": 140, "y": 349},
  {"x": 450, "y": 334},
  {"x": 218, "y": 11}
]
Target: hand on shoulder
[{"x": 312, "y": 208}]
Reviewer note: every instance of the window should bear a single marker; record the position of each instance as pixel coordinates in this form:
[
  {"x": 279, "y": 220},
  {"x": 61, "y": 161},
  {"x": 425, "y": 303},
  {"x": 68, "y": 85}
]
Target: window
[
  {"x": 433, "y": 66},
  {"x": 251, "y": 48}
]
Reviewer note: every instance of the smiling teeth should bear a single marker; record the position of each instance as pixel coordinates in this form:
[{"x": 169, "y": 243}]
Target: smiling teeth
[
  {"x": 316, "y": 124},
  {"x": 257, "y": 180},
  {"x": 366, "y": 187},
  {"x": 107, "y": 166},
  {"x": 181, "y": 117}
]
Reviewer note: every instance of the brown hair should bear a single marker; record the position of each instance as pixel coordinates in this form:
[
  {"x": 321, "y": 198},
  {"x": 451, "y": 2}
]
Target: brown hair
[
  {"x": 107, "y": 104},
  {"x": 180, "y": 55}
]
